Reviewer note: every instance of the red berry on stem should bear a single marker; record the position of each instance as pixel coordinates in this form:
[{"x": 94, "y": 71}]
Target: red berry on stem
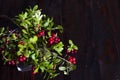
[
  {"x": 24, "y": 58},
  {"x": 9, "y": 62},
  {"x": 13, "y": 62},
  {"x": 72, "y": 60},
  {"x": 53, "y": 34}
]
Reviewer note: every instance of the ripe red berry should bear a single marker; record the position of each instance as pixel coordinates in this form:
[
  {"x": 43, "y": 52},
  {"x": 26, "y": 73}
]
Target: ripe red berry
[
  {"x": 13, "y": 62},
  {"x": 41, "y": 33},
  {"x": 53, "y": 34},
  {"x": 21, "y": 58},
  {"x": 9, "y": 62},
  {"x": 57, "y": 40},
  {"x": 24, "y": 58},
  {"x": 72, "y": 60}
]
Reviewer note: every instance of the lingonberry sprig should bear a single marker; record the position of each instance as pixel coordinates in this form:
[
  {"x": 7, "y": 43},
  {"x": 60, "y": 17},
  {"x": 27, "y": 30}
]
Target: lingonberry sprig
[
  {"x": 37, "y": 41},
  {"x": 53, "y": 39}
]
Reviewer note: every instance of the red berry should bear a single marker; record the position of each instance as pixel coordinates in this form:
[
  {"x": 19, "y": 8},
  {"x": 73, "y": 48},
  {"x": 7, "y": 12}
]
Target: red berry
[
  {"x": 41, "y": 33},
  {"x": 24, "y": 58},
  {"x": 57, "y": 40},
  {"x": 9, "y": 62},
  {"x": 72, "y": 60},
  {"x": 21, "y": 58},
  {"x": 13, "y": 62},
  {"x": 53, "y": 35}
]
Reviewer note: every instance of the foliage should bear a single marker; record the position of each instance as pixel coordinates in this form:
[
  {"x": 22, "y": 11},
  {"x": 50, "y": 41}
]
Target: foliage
[{"x": 37, "y": 42}]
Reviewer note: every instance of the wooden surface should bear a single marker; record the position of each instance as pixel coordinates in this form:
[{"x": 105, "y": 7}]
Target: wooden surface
[{"x": 94, "y": 25}]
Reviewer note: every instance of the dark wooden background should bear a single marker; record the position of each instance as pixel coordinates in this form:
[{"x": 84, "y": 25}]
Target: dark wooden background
[{"x": 94, "y": 25}]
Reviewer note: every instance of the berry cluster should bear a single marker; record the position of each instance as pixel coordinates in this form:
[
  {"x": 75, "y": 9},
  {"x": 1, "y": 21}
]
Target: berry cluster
[
  {"x": 53, "y": 39},
  {"x": 12, "y": 62},
  {"x": 72, "y": 59},
  {"x": 41, "y": 33},
  {"x": 22, "y": 58}
]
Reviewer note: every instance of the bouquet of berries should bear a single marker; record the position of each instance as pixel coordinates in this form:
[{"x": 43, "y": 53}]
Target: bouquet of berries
[{"x": 37, "y": 42}]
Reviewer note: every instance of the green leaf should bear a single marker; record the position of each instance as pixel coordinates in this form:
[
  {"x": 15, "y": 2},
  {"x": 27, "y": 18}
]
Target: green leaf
[
  {"x": 49, "y": 33},
  {"x": 31, "y": 46},
  {"x": 62, "y": 68},
  {"x": 34, "y": 39},
  {"x": 42, "y": 68},
  {"x": 33, "y": 56},
  {"x": 46, "y": 24},
  {"x": 58, "y": 47},
  {"x": 72, "y": 67},
  {"x": 14, "y": 36},
  {"x": 35, "y": 7},
  {"x": 26, "y": 54},
  {"x": 24, "y": 31},
  {"x": 2, "y": 31},
  {"x": 46, "y": 63},
  {"x": 54, "y": 75},
  {"x": 25, "y": 15},
  {"x": 24, "y": 25},
  {"x": 58, "y": 27},
  {"x": 36, "y": 70},
  {"x": 20, "y": 45},
  {"x": 50, "y": 66},
  {"x": 75, "y": 47},
  {"x": 25, "y": 36},
  {"x": 70, "y": 42},
  {"x": 28, "y": 22},
  {"x": 57, "y": 61},
  {"x": 18, "y": 53}
]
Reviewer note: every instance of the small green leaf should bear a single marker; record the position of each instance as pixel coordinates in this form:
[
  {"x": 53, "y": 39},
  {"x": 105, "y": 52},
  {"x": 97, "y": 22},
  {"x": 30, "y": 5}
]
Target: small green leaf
[
  {"x": 27, "y": 54},
  {"x": 33, "y": 39},
  {"x": 36, "y": 70},
  {"x": 50, "y": 66},
  {"x": 75, "y": 47},
  {"x": 46, "y": 24},
  {"x": 62, "y": 68},
  {"x": 58, "y": 47},
  {"x": 14, "y": 36},
  {"x": 33, "y": 56},
  {"x": 24, "y": 31},
  {"x": 24, "y": 25},
  {"x": 20, "y": 45},
  {"x": 35, "y": 7},
  {"x": 70, "y": 42},
  {"x": 42, "y": 68},
  {"x": 31, "y": 46}
]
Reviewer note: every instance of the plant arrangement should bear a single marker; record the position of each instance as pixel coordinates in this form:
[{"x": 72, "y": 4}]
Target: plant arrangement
[{"x": 37, "y": 42}]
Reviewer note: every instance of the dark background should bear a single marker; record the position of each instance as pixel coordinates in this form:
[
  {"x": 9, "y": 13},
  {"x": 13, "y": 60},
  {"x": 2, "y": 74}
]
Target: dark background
[{"x": 94, "y": 25}]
